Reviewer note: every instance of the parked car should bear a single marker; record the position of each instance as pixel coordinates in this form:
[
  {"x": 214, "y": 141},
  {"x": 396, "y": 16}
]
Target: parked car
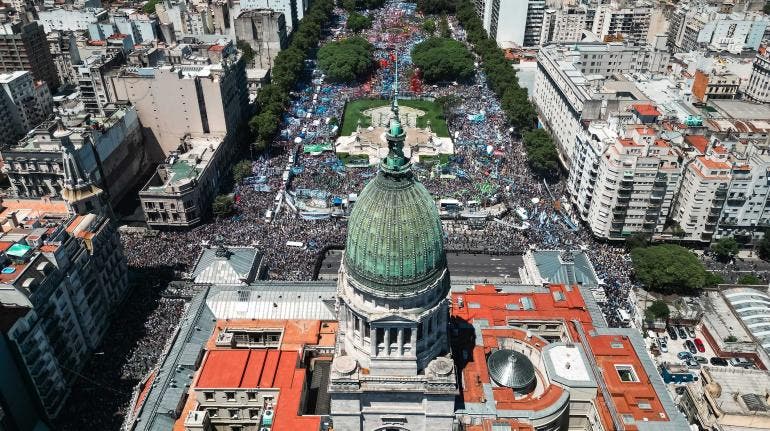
[
  {"x": 684, "y": 355},
  {"x": 690, "y": 346},
  {"x": 721, "y": 362},
  {"x": 663, "y": 344},
  {"x": 741, "y": 362},
  {"x": 692, "y": 363},
  {"x": 691, "y": 331},
  {"x": 699, "y": 345},
  {"x": 701, "y": 359},
  {"x": 682, "y": 333},
  {"x": 672, "y": 332}
]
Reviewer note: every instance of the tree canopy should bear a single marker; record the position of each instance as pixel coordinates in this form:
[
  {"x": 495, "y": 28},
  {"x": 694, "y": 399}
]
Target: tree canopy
[
  {"x": 436, "y": 6},
  {"x": 751, "y": 279},
  {"x": 149, "y": 7},
  {"x": 657, "y": 310},
  {"x": 725, "y": 249},
  {"x": 668, "y": 268},
  {"x": 442, "y": 59},
  {"x": 637, "y": 240},
  {"x": 351, "y": 5},
  {"x": 242, "y": 170},
  {"x": 346, "y": 60},
  {"x": 429, "y": 27},
  {"x": 541, "y": 152},
  {"x": 223, "y": 205},
  {"x": 358, "y": 22}
]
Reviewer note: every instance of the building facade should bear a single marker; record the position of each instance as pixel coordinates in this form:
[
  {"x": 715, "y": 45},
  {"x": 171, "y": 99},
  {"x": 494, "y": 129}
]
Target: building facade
[
  {"x": 69, "y": 275},
  {"x": 758, "y": 88},
  {"x": 265, "y": 31},
  {"x": 716, "y": 84},
  {"x": 622, "y": 22},
  {"x": 696, "y": 27},
  {"x": 24, "y": 46},
  {"x": 174, "y": 102},
  {"x": 513, "y": 23},
  {"x": 23, "y": 105}
]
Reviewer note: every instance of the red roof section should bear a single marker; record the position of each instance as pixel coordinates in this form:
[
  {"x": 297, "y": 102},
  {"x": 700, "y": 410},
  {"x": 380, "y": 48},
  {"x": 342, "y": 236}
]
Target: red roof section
[
  {"x": 646, "y": 109},
  {"x": 699, "y": 142}
]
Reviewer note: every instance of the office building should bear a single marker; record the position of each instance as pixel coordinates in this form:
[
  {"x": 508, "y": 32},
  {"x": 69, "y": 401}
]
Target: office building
[
  {"x": 695, "y": 27},
  {"x": 512, "y": 23}
]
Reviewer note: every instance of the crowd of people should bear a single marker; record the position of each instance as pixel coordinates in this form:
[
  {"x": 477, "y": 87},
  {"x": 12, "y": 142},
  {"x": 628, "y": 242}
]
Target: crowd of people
[{"x": 489, "y": 167}]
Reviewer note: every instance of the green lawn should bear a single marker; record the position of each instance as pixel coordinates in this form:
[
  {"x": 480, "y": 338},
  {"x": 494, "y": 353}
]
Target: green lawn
[{"x": 433, "y": 112}]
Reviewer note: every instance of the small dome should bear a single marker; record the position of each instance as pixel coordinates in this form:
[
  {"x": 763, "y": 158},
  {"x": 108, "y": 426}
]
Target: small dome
[
  {"x": 714, "y": 389},
  {"x": 511, "y": 369}
]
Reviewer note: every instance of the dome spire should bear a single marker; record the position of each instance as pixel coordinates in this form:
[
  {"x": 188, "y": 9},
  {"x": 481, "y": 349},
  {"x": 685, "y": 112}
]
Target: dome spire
[{"x": 396, "y": 161}]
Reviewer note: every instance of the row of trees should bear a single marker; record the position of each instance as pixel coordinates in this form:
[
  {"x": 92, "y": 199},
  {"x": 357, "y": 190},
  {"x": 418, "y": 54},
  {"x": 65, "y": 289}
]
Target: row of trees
[
  {"x": 287, "y": 69},
  {"x": 352, "y": 5},
  {"x": 346, "y": 60},
  {"x": 441, "y": 59},
  {"x": 541, "y": 153},
  {"x": 502, "y": 80}
]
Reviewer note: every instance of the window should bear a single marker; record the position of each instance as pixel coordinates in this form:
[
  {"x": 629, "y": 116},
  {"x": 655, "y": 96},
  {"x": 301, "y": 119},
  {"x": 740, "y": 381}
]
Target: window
[
  {"x": 233, "y": 413},
  {"x": 209, "y": 396},
  {"x": 213, "y": 413},
  {"x": 252, "y": 396},
  {"x": 230, "y": 396},
  {"x": 626, "y": 373},
  {"x": 254, "y": 413},
  {"x": 645, "y": 405}
]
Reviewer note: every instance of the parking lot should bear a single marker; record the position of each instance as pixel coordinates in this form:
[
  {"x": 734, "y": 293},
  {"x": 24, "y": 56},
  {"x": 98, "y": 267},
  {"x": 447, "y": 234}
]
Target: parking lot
[{"x": 676, "y": 346}]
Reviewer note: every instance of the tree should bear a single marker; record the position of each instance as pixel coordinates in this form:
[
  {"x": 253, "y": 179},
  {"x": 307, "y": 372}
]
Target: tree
[
  {"x": 223, "y": 205},
  {"x": 750, "y": 279},
  {"x": 264, "y": 126},
  {"x": 442, "y": 59},
  {"x": 247, "y": 50},
  {"x": 429, "y": 27},
  {"x": 725, "y": 249},
  {"x": 731, "y": 339},
  {"x": 763, "y": 247},
  {"x": 347, "y": 60},
  {"x": 657, "y": 310},
  {"x": 541, "y": 152},
  {"x": 149, "y": 7},
  {"x": 637, "y": 240},
  {"x": 348, "y": 5},
  {"x": 518, "y": 109},
  {"x": 444, "y": 27},
  {"x": 436, "y": 6},
  {"x": 358, "y": 22},
  {"x": 713, "y": 280},
  {"x": 242, "y": 170},
  {"x": 668, "y": 268}
]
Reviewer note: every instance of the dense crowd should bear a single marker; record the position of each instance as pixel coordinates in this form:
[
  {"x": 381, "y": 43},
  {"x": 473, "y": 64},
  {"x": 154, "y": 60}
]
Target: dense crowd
[{"x": 489, "y": 167}]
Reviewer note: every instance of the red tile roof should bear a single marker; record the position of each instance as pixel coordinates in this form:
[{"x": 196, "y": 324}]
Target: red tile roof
[
  {"x": 646, "y": 109},
  {"x": 699, "y": 142}
]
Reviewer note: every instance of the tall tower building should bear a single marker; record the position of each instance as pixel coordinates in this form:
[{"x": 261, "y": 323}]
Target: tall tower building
[{"x": 392, "y": 369}]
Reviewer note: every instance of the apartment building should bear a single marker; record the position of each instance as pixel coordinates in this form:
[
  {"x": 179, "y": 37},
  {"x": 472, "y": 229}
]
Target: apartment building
[
  {"x": 567, "y": 24},
  {"x": 745, "y": 214},
  {"x": 758, "y": 88},
  {"x": 718, "y": 83},
  {"x": 63, "y": 275},
  {"x": 93, "y": 81},
  {"x": 292, "y": 10},
  {"x": 696, "y": 27},
  {"x": 703, "y": 190},
  {"x": 108, "y": 150},
  {"x": 64, "y": 52},
  {"x": 622, "y": 21},
  {"x": 23, "y": 105},
  {"x": 571, "y": 80},
  {"x": 69, "y": 18},
  {"x": 180, "y": 192},
  {"x": 513, "y": 23},
  {"x": 202, "y": 96},
  {"x": 24, "y": 46},
  {"x": 624, "y": 184}
]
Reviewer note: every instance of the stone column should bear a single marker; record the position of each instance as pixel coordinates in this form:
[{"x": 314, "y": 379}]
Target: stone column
[
  {"x": 400, "y": 341},
  {"x": 413, "y": 342},
  {"x": 373, "y": 341},
  {"x": 386, "y": 339}
]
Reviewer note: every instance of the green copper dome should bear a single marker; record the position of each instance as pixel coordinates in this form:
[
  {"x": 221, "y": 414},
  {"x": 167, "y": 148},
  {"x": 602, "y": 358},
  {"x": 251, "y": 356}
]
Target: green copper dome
[{"x": 395, "y": 242}]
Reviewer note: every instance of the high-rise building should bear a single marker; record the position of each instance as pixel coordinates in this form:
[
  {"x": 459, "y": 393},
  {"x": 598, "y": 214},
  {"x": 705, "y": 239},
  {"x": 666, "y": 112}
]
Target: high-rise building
[
  {"x": 187, "y": 99},
  {"x": 392, "y": 366},
  {"x": 622, "y": 22},
  {"x": 23, "y": 105},
  {"x": 24, "y": 46},
  {"x": 758, "y": 88},
  {"x": 64, "y": 52},
  {"x": 293, "y": 10},
  {"x": 63, "y": 276},
  {"x": 624, "y": 184},
  {"x": 564, "y": 25},
  {"x": 265, "y": 31},
  {"x": 512, "y": 23}
]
